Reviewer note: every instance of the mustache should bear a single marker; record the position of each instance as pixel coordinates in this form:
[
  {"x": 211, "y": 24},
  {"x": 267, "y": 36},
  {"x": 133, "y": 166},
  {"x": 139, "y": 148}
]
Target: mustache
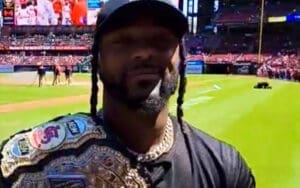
[{"x": 142, "y": 65}]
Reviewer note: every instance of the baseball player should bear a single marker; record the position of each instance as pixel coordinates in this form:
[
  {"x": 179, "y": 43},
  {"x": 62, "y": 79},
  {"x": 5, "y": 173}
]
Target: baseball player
[
  {"x": 45, "y": 13},
  {"x": 132, "y": 141},
  {"x": 66, "y": 13},
  {"x": 22, "y": 15}
]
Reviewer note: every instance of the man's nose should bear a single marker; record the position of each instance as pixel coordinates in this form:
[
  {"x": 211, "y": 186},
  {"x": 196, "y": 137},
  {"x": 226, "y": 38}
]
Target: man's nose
[{"x": 143, "y": 53}]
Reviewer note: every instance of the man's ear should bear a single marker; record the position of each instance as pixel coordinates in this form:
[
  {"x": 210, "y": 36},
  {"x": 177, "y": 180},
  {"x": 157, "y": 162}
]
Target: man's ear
[
  {"x": 175, "y": 59},
  {"x": 176, "y": 55}
]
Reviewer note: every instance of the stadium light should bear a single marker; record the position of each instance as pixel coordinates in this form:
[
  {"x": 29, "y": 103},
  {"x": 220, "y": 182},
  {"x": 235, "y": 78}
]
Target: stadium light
[{"x": 261, "y": 30}]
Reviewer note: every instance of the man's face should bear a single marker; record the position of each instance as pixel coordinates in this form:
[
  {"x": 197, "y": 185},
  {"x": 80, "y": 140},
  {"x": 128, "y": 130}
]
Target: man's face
[{"x": 138, "y": 65}]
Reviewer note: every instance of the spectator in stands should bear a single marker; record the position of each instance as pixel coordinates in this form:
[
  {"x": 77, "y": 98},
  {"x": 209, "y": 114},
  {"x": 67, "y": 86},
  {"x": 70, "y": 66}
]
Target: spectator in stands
[
  {"x": 296, "y": 75},
  {"x": 270, "y": 73},
  {"x": 288, "y": 74}
]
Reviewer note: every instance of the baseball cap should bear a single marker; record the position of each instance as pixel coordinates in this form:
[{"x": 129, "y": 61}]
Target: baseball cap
[{"x": 116, "y": 14}]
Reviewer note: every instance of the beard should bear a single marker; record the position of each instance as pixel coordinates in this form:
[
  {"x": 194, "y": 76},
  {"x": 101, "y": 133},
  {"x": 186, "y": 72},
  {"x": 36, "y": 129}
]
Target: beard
[
  {"x": 150, "y": 104},
  {"x": 158, "y": 98}
]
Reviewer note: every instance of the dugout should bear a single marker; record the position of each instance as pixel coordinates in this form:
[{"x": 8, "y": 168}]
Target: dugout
[
  {"x": 218, "y": 68},
  {"x": 242, "y": 68}
]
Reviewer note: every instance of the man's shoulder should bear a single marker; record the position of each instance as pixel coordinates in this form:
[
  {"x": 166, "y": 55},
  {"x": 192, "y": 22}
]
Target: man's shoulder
[
  {"x": 207, "y": 141},
  {"x": 225, "y": 159},
  {"x": 29, "y": 147}
]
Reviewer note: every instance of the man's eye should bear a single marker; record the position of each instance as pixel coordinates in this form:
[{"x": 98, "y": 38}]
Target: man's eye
[
  {"x": 163, "y": 45},
  {"x": 122, "y": 41},
  {"x": 116, "y": 42}
]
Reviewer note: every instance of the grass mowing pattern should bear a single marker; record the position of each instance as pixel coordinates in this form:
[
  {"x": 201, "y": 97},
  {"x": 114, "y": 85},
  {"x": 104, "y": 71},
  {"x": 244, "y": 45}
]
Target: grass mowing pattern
[
  {"x": 27, "y": 92},
  {"x": 14, "y": 94}
]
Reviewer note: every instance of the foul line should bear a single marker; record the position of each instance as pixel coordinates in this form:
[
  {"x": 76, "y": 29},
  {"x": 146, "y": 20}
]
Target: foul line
[{"x": 197, "y": 100}]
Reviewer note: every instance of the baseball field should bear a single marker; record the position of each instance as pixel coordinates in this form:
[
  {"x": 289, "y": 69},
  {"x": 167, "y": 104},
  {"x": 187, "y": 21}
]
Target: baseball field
[{"x": 264, "y": 125}]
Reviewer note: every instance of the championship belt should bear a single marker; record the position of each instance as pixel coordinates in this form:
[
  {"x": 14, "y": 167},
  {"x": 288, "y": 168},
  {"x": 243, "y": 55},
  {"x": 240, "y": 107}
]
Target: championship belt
[
  {"x": 97, "y": 167},
  {"x": 85, "y": 157}
]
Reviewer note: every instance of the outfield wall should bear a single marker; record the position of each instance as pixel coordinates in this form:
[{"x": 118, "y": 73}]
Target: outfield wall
[
  {"x": 192, "y": 67},
  {"x": 6, "y": 68},
  {"x": 243, "y": 68}
]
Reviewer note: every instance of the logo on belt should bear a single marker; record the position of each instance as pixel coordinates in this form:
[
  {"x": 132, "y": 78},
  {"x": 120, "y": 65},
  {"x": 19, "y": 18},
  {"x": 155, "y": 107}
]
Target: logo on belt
[
  {"x": 48, "y": 136},
  {"x": 20, "y": 147},
  {"x": 76, "y": 127}
]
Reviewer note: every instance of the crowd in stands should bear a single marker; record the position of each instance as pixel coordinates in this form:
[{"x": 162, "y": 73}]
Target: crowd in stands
[
  {"x": 280, "y": 66},
  {"x": 46, "y": 40},
  {"x": 250, "y": 13},
  {"x": 285, "y": 67},
  {"x": 279, "y": 59},
  {"x": 50, "y": 40},
  {"x": 230, "y": 58},
  {"x": 194, "y": 44},
  {"x": 16, "y": 59},
  {"x": 243, "y": 43}
]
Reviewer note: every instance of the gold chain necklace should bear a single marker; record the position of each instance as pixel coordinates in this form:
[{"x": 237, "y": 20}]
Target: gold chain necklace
[
  {"x": 156, "y": 150},
  {"x": 159, "y": 149}
]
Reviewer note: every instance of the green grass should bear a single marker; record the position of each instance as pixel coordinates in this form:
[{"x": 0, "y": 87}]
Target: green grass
[
  {"x": 82, "y": 76},
  {"x": 262, "y": 124},
  {"x": 22, "y": 93},
  {"x": 12, "y": 122},
  {"x": 14, "y": 94}
]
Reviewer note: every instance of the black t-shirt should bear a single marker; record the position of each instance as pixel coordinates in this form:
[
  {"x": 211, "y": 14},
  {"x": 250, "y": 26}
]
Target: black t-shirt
[
  {"x": 41, "y": 71},
  {"x": 68, "y": 71},
  {"x": 199, "y": 160},
  {"x": 78, "y": 151}
]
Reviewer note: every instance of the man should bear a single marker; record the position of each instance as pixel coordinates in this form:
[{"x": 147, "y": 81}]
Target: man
[
  {"x": 132, "y": 141},
  {"x": 57, "y": 7},
  {"x": 32, "y": 12},
  {"x": 45, "y": 13},
  {"x": 68, "y": 74},
  {"x": 56, "y": 74},
  {"x": 66, "y": 13},
  {"x": 41, "y": 74},
  {"x": 79, "y": 12},
  {"x": 22, "y": 14}
]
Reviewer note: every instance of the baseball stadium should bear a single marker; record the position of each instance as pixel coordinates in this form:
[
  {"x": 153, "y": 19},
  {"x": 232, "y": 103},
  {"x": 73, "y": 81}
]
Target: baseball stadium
[{"x": 242, "y": 68}]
